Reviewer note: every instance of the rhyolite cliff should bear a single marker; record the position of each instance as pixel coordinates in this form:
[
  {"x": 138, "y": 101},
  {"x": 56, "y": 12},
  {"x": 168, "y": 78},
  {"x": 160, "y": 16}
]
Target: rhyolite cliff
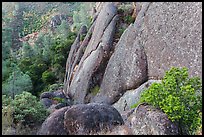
[{"x": 104, "y": 76}]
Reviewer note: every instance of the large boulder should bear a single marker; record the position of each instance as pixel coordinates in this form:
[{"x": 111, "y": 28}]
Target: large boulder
[
  {"x": 91, "y": 118},
  {"x": 147, "y": 120},
  {"x": 131, "y": 97},
  {"x": 54, "y": 124},
  {"x": 90, "y": 69},
  {"x": 126, "y": 69},
  {"x": 171, "y": 34}
]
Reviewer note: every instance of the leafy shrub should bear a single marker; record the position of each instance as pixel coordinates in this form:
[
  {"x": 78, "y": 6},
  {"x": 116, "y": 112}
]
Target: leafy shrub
[
  {"x": 59, "y": 100},
  {"x": 26, "y": 108},
  {"x": 179, "y": 97},
  {"x": 95, "y": 90}
]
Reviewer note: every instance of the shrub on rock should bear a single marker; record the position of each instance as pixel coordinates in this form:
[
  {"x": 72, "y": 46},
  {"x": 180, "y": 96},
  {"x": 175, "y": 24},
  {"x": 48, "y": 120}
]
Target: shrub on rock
[{"x": 180, "y": 97}]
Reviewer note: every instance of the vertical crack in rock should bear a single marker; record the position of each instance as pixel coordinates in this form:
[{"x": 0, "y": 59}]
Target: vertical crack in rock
[
  {"x": 127, "y": 67},
  {"x": 95, "y": 55},
  {"x": 71, "y": 67}
]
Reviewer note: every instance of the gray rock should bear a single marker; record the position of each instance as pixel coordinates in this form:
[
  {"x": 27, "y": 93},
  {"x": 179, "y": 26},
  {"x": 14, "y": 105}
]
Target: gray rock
[
  {"x": 52, "y": 108},
  {"x": 60, "y": 105},
  {"x": 126, "y": 69},
  {"x": 91, "y": 67},
  {"x": 146, "y": 120},
  {"x": 46, "y": 102},
  {"x": 59, "y": 94},
  {"x": 46, "y": 95},
  {"x": 83, "y": 30},
  {"x": 131, "y": 97},
  {"x": 171, "y": 34},
  {"x": 54, "y": 124},
  {"x": 91, "y": 118}
]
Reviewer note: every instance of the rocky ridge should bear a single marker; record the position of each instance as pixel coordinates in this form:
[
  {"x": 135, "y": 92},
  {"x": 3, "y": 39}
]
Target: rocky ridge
[{"x": 100, "y": 73}]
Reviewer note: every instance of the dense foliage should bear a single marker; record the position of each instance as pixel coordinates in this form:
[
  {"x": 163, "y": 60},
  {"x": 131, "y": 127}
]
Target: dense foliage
[
  {"x": 26, "y": 108},
  {"x": 31, "y": 63},
  {"x": 179, "y": 96}
]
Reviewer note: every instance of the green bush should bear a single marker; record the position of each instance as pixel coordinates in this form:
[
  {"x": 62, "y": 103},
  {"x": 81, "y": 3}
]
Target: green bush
[
  {"x": 26, "y": 108},
  {"x": 179, "y": 96},
  {"x": 59, "y": 100}
]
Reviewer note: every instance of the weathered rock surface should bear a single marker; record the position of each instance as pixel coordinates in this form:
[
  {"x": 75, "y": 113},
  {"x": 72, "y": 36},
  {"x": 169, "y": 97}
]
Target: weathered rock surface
[
  {"x": 46, "y": 102},
  {"x": 126, "y": 69},
  {"x": 74, "y": 58},
  {"x": 91, "y": 118},
  {"x": 54, "y": 124},
  {"x": 146, "y": 120},
  {"x": 171, "y": 35},
  {"x": 58, "y": 94},
  {"x": 131, "y": 97},
  {"x": 118, "y": 130},
  {"x": 89, "y": 72},
  {"x": 46, "y": 95}
]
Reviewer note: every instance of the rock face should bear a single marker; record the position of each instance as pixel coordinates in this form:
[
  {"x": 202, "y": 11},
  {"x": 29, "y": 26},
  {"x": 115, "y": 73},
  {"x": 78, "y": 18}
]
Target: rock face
[
  {"x": 146, "y": 120},
  {"x": 74, "y": 57},
  {"x": 171, "y": 35},
  {"x": 163, "y": 35},
  {"x": 131, "y": 97},
  {"x": 126, "y": 69},
  {"x": 90, "y": 68},
  {"x": 54, "y": 124},
  {"x": 91, "y": 118}
]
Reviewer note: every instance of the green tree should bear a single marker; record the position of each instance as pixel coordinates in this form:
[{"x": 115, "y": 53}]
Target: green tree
[
  {"x": 27, "y": 50},
  {"x": 16, "y": 83},
  {"x": 48, "y": 77},
  {"x": 62, "y": 30},
  {"x": 82, "y": 16}
]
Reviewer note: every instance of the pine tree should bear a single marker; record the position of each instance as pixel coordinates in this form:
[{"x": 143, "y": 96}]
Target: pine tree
[{"x": 16, "y": 83}]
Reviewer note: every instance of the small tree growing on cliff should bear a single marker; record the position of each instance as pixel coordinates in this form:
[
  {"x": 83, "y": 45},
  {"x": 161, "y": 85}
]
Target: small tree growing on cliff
[{"x": 180, "y": 97}]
